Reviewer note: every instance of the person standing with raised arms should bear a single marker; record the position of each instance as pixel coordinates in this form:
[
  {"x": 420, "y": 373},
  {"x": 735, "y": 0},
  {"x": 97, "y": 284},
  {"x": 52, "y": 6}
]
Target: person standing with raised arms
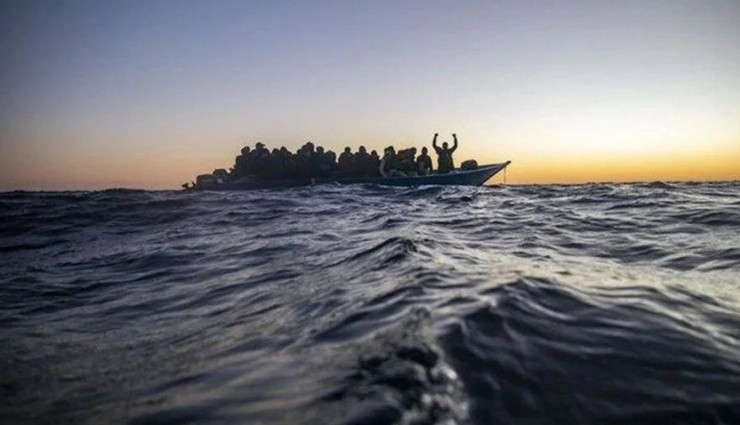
[{"x": 445, "y": 164}]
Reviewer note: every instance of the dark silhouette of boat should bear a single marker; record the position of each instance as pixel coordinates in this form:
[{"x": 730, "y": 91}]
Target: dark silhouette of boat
[{"x": 474, "y": 177}]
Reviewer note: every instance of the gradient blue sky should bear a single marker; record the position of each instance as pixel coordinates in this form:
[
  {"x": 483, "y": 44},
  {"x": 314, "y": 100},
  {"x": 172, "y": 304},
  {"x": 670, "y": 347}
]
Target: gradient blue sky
[{"x": 149, "y": 93}]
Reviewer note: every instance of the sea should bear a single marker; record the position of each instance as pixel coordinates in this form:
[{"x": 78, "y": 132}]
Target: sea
[{"x": 504, "y": 304}]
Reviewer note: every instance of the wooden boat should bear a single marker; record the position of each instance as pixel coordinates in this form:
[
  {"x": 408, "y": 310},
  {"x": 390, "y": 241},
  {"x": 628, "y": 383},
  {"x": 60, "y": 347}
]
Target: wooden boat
[{"x": 475, "y": 177}]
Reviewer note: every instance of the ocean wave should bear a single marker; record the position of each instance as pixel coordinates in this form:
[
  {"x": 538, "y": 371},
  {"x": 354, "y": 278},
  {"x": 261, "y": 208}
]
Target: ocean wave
[
  {"x": 608, "y": 303},
  {"x": 586, "y": 358}
]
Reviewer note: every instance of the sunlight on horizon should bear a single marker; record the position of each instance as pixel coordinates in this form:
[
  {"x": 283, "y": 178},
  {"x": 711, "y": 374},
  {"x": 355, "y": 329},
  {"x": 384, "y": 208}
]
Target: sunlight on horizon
[
  {"x": 169, "y": 171},
  {"x": 125, "y": 95}
]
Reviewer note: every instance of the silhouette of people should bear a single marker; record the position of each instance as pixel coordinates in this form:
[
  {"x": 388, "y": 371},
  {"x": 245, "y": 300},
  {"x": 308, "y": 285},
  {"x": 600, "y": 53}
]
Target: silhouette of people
[
  {"x": 445, "y": 163},
  {"x": 406, "y": 161},
  {"x": 361, "y": 166},
  {"x": 322, "y": 163},
  {"x": 424, "y": 162},
  {"x": 390, "y": 164},
  {"x": 260, "y": 160},
  {"x": 344, "y": 163},
  {"x": 386, "y": 163},
  {"x": 374, "y": 166},
  {"x": 303, "y": 163},
  {"x": 311, "y": 162},
  {"x": 241, "y": 164}
]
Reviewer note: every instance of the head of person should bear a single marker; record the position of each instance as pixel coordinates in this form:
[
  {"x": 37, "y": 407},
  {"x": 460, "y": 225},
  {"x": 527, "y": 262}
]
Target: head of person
[
  {"x": 390, "y": 149},
  {"x": 309, "y": 146},
  {"x": 245, "y": 150},
  {"x": 445, "y": 145},
  {"x": 276, "y": 151},
  {"x": 347, "y": 150},
  {"x": 374, "y": 153},
  {"x": 320, "y": 149},
  {"x": 412, "y": 151},
  {"x": 424, "y": 150},
  {"x": 259, "y": 146},
  {"x": 362, "y": 149}
]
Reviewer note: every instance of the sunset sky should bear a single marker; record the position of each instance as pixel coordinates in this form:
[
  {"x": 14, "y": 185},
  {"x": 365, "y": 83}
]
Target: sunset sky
[{"x": 148, "y": 94}]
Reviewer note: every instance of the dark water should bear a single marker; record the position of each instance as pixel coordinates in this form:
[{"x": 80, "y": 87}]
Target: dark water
[{"x": 593, "y": 304}]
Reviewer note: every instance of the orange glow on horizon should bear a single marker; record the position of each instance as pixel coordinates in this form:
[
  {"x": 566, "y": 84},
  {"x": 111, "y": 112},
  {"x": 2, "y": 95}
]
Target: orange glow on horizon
[
  {"x": 169, "y": 170},
  {"x": 695, "y": 168}
]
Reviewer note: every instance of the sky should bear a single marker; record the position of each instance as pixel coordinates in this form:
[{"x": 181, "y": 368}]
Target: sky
[{"x": 148, "y": 94}]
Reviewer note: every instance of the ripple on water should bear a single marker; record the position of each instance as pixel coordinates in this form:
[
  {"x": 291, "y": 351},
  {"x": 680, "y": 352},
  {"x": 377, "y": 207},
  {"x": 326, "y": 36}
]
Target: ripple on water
[{"x": 613, "y": 303}]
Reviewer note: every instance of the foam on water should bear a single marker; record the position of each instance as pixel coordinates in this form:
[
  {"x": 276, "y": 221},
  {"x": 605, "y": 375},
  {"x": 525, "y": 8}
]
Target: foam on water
[{"x": 613, "y": 304}]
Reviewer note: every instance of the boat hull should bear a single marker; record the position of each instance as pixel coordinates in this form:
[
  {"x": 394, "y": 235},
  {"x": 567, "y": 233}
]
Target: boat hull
[{"x": 457, "y": 178}]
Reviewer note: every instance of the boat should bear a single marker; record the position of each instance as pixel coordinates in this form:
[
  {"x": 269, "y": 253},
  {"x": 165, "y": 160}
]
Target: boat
[{"x": 459, "y": 177}]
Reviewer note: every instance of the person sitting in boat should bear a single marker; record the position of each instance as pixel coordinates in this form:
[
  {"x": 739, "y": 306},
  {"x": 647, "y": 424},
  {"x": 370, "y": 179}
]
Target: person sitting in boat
[
  {"x": 424, "y": 162},
  {"x": 384, "y": 167},
  {"x": 444, "y": 155},
  {"x": 361, "y": 163},
  {"x": 241, "y": 163},
  {"x": 407, "y": 162},
  {"x": 273, "y": 166},
  {"x": 344, "y": 164},
  {"x": 322, "y": 163},
  {"x": 331, "y": 158},
  {"x": 260, "y": 160},
  {"x": 374, "y": 164},
  {"x": 389, "y": 165},
  {"x": 302, "y": 161},
  {"x": 286, "y": 162}
]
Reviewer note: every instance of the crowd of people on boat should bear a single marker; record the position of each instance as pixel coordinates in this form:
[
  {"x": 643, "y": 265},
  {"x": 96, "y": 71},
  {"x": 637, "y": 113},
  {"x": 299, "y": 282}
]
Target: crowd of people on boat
[{"x": 314, "y": 162}]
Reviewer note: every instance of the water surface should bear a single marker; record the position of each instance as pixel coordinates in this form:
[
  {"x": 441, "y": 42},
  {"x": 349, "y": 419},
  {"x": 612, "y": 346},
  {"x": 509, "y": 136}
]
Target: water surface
[{"x": 609, "y": 304}]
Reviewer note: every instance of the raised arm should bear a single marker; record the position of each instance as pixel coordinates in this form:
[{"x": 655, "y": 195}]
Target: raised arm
[
  {"x": 434, "y": 143},
  {"x": 454, "y": 144}
]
